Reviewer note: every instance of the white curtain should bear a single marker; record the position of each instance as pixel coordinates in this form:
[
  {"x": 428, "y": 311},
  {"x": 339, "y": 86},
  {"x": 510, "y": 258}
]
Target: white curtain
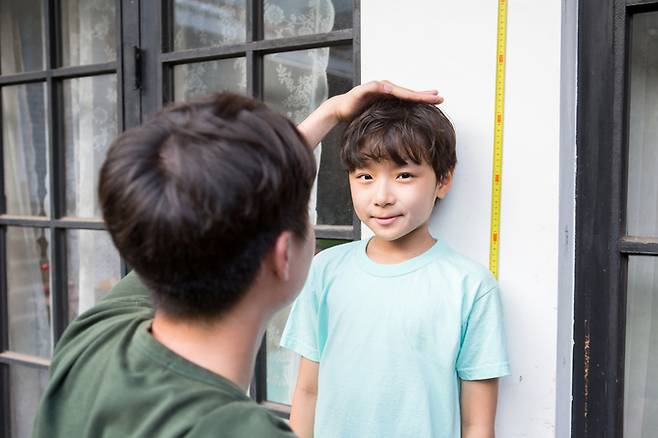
[
  {"x": 295, "y": 84},
  {"x": 26, "y": 188},
  {"x": 206, "y": 23},
  {"x": 90, "y": 114},
  {"x": 641, "y": 371}
]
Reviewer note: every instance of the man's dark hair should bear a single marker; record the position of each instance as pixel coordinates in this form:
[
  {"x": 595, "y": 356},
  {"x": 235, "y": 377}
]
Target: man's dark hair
[
  {"x": 195, "y": 198},
  {"x": 400, "y": 131}
]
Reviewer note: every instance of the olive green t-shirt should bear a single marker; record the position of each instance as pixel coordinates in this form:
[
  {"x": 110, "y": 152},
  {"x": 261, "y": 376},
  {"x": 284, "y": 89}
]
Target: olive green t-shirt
[{"x": 111, "y": 378}]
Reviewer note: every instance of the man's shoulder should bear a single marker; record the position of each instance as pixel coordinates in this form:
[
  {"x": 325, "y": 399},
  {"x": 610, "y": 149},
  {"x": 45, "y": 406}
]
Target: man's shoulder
[{"x": 241, "y": 419}]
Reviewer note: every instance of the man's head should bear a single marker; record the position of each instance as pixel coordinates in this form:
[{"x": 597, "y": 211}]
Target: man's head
[
  {"x": 196, "y": 198},
  {"x": 400, "y": 157}
]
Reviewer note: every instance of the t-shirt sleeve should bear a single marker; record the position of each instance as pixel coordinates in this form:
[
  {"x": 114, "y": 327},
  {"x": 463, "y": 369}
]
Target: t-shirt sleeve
[
  {"x": 301, "y": 332},
  {"x": 483, "y": 353}
]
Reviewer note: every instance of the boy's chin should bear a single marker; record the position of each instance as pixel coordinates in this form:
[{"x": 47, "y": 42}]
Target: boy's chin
[
  {"x": 391, "y": 236},
  {"x": 397, "y": 235}
]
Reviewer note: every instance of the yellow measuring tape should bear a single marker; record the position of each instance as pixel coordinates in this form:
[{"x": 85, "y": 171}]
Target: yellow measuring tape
[{"x": 497, "y": 174}]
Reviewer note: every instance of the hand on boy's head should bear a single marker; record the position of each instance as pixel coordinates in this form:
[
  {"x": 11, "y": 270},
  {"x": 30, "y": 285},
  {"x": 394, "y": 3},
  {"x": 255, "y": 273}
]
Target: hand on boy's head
[{"x": 350, "y": 104}]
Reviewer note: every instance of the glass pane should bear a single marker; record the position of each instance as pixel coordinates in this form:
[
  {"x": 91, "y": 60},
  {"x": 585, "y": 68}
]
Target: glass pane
[
  {"x": 88, "y": 32},
  {"x": 201, "y": 78},
  {"x": 25, "y": 148},
  {"x": 295, "y": 84},
  {"x": 21, "y": 36},
  {"x": 642, "y": 217},
  {"x": 205, "y": 23},
  {"x": 94, "y": 267},
  {"x": 28, "y": 290},
  {"x": 287, "y": 18},
  {"x": 282, "y": 364},
  {"x": 90, "y": 125},
  {"x": 26, "y": 386},
  {"x": 641, "y": 373}
]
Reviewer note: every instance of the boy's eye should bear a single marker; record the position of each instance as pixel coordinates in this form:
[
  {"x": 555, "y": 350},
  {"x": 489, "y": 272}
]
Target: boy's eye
[
  {"x": 364, "y": 177},
  {"x": 405, "y": 175}
]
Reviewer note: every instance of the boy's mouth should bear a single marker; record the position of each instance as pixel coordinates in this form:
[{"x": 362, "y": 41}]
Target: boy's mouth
[{"x": 386, "y": 220}]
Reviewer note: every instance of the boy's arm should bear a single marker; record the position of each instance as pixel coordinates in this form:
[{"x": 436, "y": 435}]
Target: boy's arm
[
  {"x": 345, "y": 107},
  {"x": 302, "y": 413},
  {"x": 478, "y": 407}
]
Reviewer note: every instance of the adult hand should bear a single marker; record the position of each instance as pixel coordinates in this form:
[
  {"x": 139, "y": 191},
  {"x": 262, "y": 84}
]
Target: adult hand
[
  {"x": 349, "y": 105},
  {"x": 344, "y": 107}
]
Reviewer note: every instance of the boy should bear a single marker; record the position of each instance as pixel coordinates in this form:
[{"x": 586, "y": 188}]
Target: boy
[
  {"x": 208, "y": 203},
  {"x": 399, "y": 335}
]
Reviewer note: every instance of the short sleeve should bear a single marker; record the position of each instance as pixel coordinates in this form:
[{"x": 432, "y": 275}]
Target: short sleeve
[
  {"x": 483, "y": 353},
  {"x": 301, "y": 332}
]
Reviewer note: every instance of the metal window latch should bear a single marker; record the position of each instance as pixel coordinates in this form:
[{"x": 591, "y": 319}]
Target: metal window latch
[{"x": 138, "y": 54}]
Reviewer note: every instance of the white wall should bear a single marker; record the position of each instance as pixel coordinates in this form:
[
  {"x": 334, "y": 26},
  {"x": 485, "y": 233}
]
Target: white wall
[{"x": 451, "y": 45}]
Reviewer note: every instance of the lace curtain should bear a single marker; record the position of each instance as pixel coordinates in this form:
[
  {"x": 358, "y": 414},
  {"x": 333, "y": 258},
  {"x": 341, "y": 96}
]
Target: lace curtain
[
  {"x": 295, "y": 84},
  {"x": 26, "y": 188},
  {"x": 90, "y": 125}
]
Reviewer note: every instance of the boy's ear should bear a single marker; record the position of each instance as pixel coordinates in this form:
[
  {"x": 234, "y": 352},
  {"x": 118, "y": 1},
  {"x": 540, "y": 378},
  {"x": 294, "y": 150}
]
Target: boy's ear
[
  {"x": 443, "y": 187},
  {"x": 281, "y": 256}
]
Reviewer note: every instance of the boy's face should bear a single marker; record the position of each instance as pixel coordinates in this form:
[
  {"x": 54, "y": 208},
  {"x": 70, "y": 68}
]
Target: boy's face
[{"x": 394, "y": 200}]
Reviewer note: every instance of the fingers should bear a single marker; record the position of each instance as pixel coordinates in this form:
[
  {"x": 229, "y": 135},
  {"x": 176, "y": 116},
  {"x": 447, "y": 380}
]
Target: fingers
[{"x": 387, "y": 87}]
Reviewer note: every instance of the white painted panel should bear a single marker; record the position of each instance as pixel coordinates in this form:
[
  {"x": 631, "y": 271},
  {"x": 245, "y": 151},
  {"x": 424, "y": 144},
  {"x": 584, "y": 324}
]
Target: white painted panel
[{"x": 450, "y": 45}]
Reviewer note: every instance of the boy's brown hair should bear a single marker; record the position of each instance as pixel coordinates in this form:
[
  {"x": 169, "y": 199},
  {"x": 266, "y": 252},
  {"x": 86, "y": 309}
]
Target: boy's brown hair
[
  {"x": 195, "y": 198},
  {"x": 401, "y": 131}
]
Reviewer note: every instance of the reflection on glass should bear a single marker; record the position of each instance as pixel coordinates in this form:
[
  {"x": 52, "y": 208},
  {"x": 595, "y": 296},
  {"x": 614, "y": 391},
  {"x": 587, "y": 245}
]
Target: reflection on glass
[
  {"x": 641, "y": 357},
  {"x": 90, "y": 125},
  {"x": 282, "y": 364},
  {"x": 642, "y": 204},
  {"x": 201, "y": 78},
  {"x": 93, "y": 268},
  {"x": 206, "y": 23},
  {"x": 88, "y": 31},
  {"x": 25, "y": 149},
  {"x": 288, "y": 18},
  {"x": 28, "y": 290},
  {"x": 21, "y": 36},
  {"x": 296, "y": 83},
  {"x": 26, "y": 387}
]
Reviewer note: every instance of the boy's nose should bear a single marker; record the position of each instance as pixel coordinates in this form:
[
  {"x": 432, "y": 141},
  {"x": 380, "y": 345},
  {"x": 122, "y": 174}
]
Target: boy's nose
[{"x": 383, "y": 196}]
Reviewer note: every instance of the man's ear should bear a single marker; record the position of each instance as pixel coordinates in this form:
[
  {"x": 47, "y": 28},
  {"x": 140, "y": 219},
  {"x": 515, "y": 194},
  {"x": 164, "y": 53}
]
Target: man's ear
[
  {"x": 281, "y": 255},
  {"x": 443, "y": 187}
]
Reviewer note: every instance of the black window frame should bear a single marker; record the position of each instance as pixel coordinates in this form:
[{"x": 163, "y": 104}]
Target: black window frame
[{"x": 601, "y": 245}]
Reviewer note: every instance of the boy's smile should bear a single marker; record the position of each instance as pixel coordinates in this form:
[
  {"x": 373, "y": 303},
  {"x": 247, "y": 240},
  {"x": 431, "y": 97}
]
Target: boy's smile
[{"x": 394, "y": 201}]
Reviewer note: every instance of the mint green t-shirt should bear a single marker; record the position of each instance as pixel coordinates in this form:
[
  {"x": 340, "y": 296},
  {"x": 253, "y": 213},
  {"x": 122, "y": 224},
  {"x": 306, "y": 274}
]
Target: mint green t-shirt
[
  {"x": 111, "y": 378},
  {"x": 394, "y": 340}
]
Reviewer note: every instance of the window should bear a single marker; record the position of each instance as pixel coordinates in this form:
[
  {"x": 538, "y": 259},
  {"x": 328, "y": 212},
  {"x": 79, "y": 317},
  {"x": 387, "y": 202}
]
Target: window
[
  {"x": 60, "y": 110},
  {"x": 616, "y": 307},
  {"x": 75, "y": 73}
]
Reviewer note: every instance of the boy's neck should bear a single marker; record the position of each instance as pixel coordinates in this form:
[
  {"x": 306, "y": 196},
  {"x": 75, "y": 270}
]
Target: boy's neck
[
  {"x": 227, "y": 347},
  {"x": 402, "y": 249}
]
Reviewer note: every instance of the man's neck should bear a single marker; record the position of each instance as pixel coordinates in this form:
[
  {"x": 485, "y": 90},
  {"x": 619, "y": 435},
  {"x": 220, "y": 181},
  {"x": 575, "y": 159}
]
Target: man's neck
[{"x": 227, "y": 347}]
